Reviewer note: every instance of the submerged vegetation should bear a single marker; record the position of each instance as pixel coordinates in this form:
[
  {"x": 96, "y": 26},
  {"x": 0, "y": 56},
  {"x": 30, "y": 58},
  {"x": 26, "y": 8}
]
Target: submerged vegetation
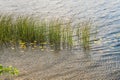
[
  {"x": 26, "y": 32},
  {"x": 8, "y": 72}
]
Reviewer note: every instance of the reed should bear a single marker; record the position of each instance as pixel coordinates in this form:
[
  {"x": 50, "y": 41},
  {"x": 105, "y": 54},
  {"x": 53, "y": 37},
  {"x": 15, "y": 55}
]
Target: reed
[
  {"x": 67, "y": 36},
  {"x": 54, "y": 35},
  {"x": 6, "y": 29},
  {"x": 41, "y": 36},
  {"x": 7, "y": 72},
  {"x": 25, "y": 31},
  {"x": 83, "y": 34}
]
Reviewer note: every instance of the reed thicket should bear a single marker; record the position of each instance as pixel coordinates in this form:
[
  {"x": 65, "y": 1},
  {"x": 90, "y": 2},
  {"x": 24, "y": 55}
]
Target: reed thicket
[
  {"x": 83, "y": 34},
  {"x": 26, "y": 31}
]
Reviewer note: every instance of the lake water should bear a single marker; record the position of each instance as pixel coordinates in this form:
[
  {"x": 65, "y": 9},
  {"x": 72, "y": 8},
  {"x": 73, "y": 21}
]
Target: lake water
[{"x": 101, "y": 63}]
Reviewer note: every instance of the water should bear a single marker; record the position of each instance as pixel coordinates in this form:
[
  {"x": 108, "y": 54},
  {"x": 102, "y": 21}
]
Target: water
[{"x": 101, "y": 63}]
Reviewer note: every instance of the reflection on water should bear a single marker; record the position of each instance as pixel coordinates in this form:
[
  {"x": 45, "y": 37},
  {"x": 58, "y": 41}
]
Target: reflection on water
[{"x": 101, "y": 63}]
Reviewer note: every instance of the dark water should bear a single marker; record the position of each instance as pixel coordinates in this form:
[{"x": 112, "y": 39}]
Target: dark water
[{"x": 101, "y": 63}]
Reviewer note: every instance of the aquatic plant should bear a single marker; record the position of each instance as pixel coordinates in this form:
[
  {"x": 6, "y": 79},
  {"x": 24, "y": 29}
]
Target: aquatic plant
[
  {"x": 6, "y": 29},
  {"x": 67, "y": 36},
  {"x": 41, "y": 35},
  {"x": 25, "y": 31},
  {"x": 8, "y": 70},
  {"x": 83, "y": 34},
  {"x": 54, "y": 34},
  {"x": 60, "y": 35}
]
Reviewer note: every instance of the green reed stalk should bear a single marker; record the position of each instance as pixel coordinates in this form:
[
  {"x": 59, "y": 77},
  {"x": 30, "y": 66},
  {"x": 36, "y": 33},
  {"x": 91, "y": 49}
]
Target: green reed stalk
[
  {"x": 54, "y": 33},
  {"x": 25, "y": 29},
  {"x": 54, "y": 36},
  {"x": 6, "y": 29},
  {"x": 83, "y": 33}
]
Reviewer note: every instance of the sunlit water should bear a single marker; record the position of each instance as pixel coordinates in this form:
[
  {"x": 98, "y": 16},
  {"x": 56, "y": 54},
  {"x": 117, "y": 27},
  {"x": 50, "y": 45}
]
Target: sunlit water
[{"x": 102, "y": 62}]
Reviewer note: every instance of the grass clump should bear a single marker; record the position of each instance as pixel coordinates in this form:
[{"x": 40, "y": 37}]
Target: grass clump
[
  {"x": 60, "y": 36},
  {"x": 67, "y": 36},
  {"x": 41, "y": 32},
  {"x": 8, "y": 72},
  {"x": 6, "y": 29},
  {"x": 54, "y": 35},
  {"x": 83, "y": 34},
  {"x": 25, "y": 31}
]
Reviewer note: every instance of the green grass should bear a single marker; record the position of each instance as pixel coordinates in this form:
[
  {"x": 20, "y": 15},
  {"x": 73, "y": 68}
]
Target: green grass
[
  {"x": 25, "y": 31},
  {"x": 54, "y": 34},
  {"x": 8, "y": 72},
  {"x": 83, "y": 34},
  {"x": 60, "y": 36},
  {"x": 6, "y": 29},
  {"x": 67, "y": 36}
]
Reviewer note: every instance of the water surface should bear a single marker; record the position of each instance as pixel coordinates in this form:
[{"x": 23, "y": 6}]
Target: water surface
[{"x": 101, "y": 63}]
